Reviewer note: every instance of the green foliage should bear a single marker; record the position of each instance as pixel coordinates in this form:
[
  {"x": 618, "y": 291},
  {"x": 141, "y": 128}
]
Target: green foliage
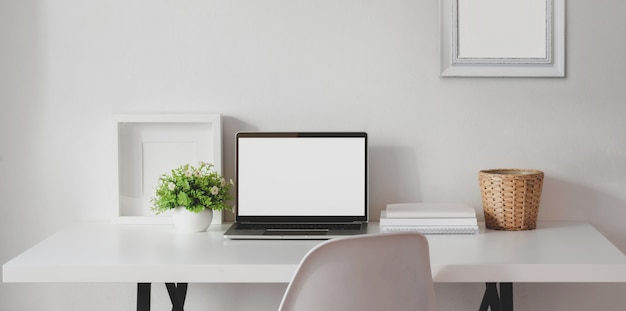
[{"x": 195, "y": 188}]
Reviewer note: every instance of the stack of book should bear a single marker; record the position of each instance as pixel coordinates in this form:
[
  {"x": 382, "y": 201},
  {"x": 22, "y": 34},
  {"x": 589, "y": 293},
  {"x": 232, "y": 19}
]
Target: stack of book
[{"x": 428, "y": 218}]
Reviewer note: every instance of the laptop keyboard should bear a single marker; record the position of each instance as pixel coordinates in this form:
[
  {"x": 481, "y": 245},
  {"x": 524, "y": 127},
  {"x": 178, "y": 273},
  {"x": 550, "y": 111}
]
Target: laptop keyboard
[{"x": 299, "y": 226}]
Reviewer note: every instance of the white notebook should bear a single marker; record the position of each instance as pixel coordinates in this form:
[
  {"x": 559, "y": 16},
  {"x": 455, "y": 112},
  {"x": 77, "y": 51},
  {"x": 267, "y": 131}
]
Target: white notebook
[
  {"x": 434, "y": 230},
  {"x": 429, "y": 210},
  {"x": 429, "y": 218},
  {"x": 427, "y": 221}
]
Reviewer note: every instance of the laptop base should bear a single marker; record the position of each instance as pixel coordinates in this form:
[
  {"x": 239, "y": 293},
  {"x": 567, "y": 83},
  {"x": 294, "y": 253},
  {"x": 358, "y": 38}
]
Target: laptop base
[{"x": 233, "y": 233}]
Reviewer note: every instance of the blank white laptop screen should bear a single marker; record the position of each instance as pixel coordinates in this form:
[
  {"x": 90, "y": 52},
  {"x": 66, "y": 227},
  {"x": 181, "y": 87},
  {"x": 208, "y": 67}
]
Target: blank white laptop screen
[{"x": 301, "y": 176}]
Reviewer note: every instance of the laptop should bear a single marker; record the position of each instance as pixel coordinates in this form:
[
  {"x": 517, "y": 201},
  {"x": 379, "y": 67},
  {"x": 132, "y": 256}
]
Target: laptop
[{"x": 311, "y": 185}]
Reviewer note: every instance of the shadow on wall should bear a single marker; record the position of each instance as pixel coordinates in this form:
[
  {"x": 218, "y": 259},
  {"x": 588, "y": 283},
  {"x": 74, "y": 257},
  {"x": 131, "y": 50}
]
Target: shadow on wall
[
  {"x": 230, "y": 127},
  {"x": 23, "y": 131},
  {"x": 567, "y": 201},
  {"x": 393, "y": 177},
  {"x": 563, "y": 201}
]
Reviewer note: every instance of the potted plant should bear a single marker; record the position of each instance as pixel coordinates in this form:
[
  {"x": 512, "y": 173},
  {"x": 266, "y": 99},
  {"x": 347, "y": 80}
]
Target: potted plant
[{"x": 192, "y": 193}]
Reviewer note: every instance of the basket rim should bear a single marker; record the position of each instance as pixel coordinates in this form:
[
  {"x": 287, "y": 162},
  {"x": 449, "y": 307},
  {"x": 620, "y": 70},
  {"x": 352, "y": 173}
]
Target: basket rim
[{"x": 512, "y": 171}]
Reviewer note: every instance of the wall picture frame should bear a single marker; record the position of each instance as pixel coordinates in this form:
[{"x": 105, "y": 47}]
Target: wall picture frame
[
  {"x": 149, "y": 145},
  {"x": 502, "y": 38}
]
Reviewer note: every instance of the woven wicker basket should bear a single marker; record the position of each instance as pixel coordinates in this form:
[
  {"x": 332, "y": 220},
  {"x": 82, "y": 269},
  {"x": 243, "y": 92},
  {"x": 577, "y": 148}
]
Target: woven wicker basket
[{"x": 511, "y": 198}]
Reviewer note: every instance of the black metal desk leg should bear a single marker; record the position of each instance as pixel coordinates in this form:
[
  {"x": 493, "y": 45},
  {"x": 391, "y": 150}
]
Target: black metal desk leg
[
  {"x": 178, "y": 293},
  {"x": 490, "y": 298},
  {"x": 143, "y": 296},
  {"x": 501, "y": 302},
  {"x": 506, "y": 296}
]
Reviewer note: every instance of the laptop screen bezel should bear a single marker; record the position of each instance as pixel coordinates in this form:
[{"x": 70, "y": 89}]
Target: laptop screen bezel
[{"x": 311, "y": 218}]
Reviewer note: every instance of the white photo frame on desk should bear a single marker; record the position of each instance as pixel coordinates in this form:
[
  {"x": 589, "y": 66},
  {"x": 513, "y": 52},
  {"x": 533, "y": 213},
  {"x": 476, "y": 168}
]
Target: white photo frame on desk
[
  {"x": 149, "y": 145},
  {"x": 509, "y": 38}
]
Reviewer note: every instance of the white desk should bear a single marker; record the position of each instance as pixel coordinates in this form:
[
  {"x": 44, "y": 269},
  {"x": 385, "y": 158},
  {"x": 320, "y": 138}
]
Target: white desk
[{"x": 554, "y": 252}]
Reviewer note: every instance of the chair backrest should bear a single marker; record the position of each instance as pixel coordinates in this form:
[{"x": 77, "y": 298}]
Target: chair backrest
[{"x": 384, "y": 271}]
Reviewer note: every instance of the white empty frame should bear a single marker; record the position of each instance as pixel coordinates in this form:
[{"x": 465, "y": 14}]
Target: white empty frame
[
  {"x": 147, "y": 146},
  {"x": 502, "y": 38}
]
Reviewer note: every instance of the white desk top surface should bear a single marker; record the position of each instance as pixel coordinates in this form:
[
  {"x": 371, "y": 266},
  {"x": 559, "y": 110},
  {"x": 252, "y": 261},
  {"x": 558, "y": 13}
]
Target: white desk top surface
[{"x": 554, "y": 252}]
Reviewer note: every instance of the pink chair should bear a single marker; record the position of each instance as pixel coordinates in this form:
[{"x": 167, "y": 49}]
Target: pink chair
[{"x": 384, "y": 271}]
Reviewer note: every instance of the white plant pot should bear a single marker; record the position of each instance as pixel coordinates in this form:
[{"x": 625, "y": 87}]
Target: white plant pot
[{"x": 186, "y": 221}]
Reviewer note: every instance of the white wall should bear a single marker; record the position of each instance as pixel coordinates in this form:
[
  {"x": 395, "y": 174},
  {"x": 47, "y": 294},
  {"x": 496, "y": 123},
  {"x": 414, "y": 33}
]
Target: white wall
[{"x": 373, "y": 65}]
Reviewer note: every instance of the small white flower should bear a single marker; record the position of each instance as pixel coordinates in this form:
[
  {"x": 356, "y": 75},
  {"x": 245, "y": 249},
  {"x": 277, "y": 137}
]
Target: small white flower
[
  {"x": 231, "y": 182},
  {"x": 215, "y": 190},
  {"x": 197, "y": 173},
  {"x": 188, "y": 173},
  {"x": 223, "y": 182},
  {"x": 171, "y": 186}
]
